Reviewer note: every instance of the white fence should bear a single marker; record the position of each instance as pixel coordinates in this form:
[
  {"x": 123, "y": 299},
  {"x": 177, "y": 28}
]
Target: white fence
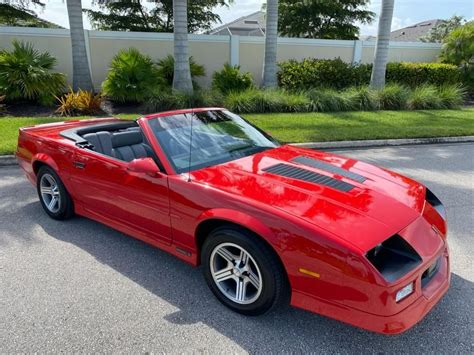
[{"x": 210, "y": 51}]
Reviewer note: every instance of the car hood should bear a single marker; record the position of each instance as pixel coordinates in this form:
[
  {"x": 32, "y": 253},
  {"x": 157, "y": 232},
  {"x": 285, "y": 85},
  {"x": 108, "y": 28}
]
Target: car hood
[{"x": 355, "y": 201}]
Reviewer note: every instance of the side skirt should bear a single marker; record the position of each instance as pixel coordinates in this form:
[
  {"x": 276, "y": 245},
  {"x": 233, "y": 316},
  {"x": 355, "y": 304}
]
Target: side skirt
[{"x": 173, "y": 249}]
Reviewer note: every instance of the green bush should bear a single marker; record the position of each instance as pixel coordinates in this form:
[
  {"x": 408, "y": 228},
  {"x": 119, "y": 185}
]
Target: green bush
[
  {"x": 259, "y": 101},
  {"x": 131, "y": 78},
  {"x": 166, "y": 70},
  {"x": 26, "y": 74},
  {"x": 424, "y": 97},
  {"x": 310, "y": 73},
  {"x": 451, "y": 96},
  {"x": 393, "y": 97},
  {"x": 458, "y": 49},
  {"x": 327, "y": 100},
  {"x": 317, "y": 73},
  {"x": 361, "y": 99},
  {"x": 416, "y": 74},
  {"x": 231, "y": 79},
  {"x": 164, "y": 100}
]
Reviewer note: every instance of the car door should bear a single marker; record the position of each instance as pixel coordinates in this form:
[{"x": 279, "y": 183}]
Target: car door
[{"x": 106, "y": 189}]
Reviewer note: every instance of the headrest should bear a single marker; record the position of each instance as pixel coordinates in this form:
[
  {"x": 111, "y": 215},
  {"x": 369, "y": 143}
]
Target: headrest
[{"x": 124, "y": 138}]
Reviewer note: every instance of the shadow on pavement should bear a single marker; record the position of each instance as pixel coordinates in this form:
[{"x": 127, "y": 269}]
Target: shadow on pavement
[
  {"x": 449, "y": 326},
  {"x": 182, "y": 286}
]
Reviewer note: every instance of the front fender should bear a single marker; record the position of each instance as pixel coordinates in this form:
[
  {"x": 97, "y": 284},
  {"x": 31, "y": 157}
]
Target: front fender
[{"x": 239, "y": 218}]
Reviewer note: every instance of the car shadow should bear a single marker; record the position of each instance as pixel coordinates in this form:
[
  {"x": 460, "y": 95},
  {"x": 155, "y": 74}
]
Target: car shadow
[
  {"x": 286, "y": 328},
  {"x": 446, "y": 329}
]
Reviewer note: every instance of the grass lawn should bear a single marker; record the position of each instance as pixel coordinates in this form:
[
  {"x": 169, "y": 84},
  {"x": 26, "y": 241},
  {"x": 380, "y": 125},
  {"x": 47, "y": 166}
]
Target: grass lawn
[{"x": 316, "y": 127}]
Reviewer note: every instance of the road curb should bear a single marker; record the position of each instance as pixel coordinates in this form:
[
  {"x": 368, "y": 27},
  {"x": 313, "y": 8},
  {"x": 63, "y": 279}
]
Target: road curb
[
  {"x": 384, "y": 142},
  {"x": 9, "y": 160}
]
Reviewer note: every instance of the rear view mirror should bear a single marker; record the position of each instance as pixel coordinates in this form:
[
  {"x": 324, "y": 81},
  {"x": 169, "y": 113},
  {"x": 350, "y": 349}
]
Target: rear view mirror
[{"x": 144, "y": 166}]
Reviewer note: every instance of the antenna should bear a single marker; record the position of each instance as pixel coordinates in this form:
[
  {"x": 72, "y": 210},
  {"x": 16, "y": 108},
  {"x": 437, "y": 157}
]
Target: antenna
[{"x": 190, "y": 146}]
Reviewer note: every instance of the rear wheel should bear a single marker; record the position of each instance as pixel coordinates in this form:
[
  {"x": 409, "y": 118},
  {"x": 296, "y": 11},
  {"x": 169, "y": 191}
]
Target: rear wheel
[
  {"x": 242, "y": 271},
  {"x": 53, "y": 195}
]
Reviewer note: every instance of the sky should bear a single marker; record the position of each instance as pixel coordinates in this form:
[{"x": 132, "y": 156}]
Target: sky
[{"x": 406, "y": 13}]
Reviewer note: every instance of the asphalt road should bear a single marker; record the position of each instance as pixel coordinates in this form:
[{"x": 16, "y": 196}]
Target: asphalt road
[{"x": 78, "y": 286}]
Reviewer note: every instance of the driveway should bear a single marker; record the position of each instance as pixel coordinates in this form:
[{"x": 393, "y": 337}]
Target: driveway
[{"x": 78, "y": 286}]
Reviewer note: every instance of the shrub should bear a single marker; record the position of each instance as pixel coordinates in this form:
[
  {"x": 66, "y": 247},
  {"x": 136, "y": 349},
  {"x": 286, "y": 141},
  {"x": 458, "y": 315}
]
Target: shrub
[
  {"x": 451, "y": 96},
  {"x": 416, "y": 74},
  {"x": 231, "y": 79},
  {"x": 2, "y": 106},
  {"x": 79, "y": 103},
  {"x": 393, "y": 97},
  {"x": 432, "y": 97},
  {"x": 166, "y": 70},
  {"x": 132, "y": 77},
  {"x": 327, "y": 100},
  {"x": 314, "y": 73},
  {"x": 458, "y": 49},
  {"x": 361, "y": 99},
  {"x": 260, "y": 101},
  {"x": 424, "y": 97},
  {"x": 164, "y": 100},
  {"x": 26, "y": 74},
  {"x": 310, "y": 73}
]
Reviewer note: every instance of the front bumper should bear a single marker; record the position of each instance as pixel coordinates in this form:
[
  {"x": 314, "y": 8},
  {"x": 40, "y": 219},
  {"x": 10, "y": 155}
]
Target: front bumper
[{"x": 390, "y": 324}]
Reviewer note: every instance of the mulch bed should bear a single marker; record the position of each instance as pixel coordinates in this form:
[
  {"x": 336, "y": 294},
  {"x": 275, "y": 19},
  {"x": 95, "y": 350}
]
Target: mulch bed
[{"x": 28, "y": 109}]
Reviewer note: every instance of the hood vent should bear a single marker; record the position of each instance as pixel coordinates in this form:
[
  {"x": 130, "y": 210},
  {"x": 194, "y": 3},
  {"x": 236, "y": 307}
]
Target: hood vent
[
  {"x": 318, "y": 164},
  {"x": 309, "y": 176}
]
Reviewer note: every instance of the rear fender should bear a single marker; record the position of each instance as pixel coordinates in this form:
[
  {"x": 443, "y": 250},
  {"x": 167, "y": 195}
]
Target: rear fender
[{"x": 45, "y": 159}]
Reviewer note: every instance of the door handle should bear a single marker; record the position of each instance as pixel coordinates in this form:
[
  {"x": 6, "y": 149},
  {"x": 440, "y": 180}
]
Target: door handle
[{"x": 79, "y": 165}]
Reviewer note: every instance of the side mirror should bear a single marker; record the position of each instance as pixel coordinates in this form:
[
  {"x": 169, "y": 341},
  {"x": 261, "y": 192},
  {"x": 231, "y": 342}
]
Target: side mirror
[{"x": 143, "y": 166}]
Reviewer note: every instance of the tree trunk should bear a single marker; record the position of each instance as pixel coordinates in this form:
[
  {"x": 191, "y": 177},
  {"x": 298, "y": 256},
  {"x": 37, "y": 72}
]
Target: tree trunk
[
  {"x": 182, "y": 72},
  {"x": 377, "y": 79},
  {"x": 271, "y": 35},
  {"x": 80, "y": 64}
]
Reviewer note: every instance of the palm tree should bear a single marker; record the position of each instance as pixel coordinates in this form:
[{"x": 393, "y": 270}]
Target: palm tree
[
  {"x": 377, "y": 79},
  {"x": 182, "y": 73},
  {"x": 271, "y": 35},
  {"x": 80, "y": 64}
]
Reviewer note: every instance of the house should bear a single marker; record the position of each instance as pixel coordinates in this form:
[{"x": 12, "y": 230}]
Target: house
[
  {"x": 254, "y": 25},
  {"x": 414, "y": 32},
  {"x": 250, "y": 25}
]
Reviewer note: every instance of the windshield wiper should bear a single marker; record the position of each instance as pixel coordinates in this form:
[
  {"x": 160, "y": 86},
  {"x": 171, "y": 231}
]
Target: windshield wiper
[
  {"x": 239, "y": 147},
  {"x": 252, "y": 149}
]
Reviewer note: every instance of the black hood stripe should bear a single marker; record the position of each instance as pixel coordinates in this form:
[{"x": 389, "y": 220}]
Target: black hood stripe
[
  {"x": 318, "y": 164},
  {"x": 294, "y": 172}
]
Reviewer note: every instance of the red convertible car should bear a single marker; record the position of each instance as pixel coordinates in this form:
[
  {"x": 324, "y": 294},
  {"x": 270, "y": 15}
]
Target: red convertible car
[{"x": 268, "y": 223}]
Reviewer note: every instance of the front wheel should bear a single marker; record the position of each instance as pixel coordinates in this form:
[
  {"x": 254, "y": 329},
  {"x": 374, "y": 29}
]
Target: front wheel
[{"x": 242, "y": 271}]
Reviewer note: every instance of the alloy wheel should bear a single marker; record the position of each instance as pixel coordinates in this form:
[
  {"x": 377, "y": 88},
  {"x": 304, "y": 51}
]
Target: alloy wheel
[
  {"x": 236, "y": 273},
  {"x": 50, "y": 193}
]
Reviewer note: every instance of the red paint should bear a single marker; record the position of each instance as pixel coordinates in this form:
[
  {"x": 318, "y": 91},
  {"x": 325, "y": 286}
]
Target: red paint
[{"x": 309, "y": 226}]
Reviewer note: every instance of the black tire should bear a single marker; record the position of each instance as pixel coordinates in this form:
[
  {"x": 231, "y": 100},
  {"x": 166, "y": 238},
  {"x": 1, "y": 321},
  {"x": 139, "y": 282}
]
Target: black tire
[
  {"x": 275, "y": 288},
  {"x": 65, "y": 208}
]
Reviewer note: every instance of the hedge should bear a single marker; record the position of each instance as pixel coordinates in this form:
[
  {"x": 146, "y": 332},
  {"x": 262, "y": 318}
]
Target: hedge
[
  {"x": 391, "y": 97},
  {"x": 310, "y": 73},
  {"x": 334, "y": 73},
  {"x": 415, "y": 74}
]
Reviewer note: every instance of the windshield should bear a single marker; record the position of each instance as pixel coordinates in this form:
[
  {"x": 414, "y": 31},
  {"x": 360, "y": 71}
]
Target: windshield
[{"x": 217, "y": 137}]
